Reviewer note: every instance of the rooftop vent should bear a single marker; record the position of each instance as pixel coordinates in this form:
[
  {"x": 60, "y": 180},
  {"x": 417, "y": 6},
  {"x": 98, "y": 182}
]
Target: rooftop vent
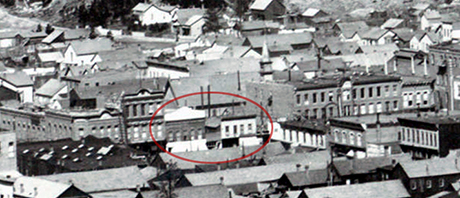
[
  {"x": 65, "y": 147},
  {"x": 88, "y": 154},
  {"x": 90, "y": 148},
  {"x": 76, "y": 159},
  {"x": 74, "y": 150},
  {"x": 99, "y": 158},
  {"x": 81, "y": 146},
  {"x": 25, "y": 151},
  {"x": 64, "y": 157},
  {"x": 41, "y": 150}
]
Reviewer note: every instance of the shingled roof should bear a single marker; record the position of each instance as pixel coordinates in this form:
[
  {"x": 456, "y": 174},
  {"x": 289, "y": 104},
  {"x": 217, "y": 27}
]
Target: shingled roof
[{"x": 384, "y": 189}]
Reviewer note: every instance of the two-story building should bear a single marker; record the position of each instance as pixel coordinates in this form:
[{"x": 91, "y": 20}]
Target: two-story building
[
  {"x": 148, "y": 14},
  {"x": 267, "y": 9},
  {"x": 303, "y": 133},
  {"x": 428, "y": 136},
  {"x": 185, "y": 130},
  {"x": 352, "y": 95}
]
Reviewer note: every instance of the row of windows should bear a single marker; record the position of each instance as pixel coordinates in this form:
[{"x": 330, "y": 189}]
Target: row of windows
[
  {"x": 320, "y": 112},
  {"x": 185, "y": 135},
  {"x": 374, "y": 92},
  {"x": 378, "y": 107},
  {"x": 143, "y": 131},
  {"x": 428, "y": 184},
  {"x": 419, "y": 98},
  {"x": 314, "y": 98},
  {"x": 112, "y": 131},
  {"x": 418, "y": 136},
  {"x": 347, "y": 137},
  {"x": 141, "y": 109},
  {"x": 238, "y": 130},
  {"x": 304, "y": 137},
  {"x": 361, "y": 93},
  {"x": 28, "y": 126}
]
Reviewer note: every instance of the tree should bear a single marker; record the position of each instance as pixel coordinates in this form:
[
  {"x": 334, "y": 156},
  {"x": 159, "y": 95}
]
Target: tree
[
  {"x": 167, "y": 187},
  {"x": 49, "y": 29},
  {"x": 212, "y": 21},
  {"x": 241, "y": 7}
]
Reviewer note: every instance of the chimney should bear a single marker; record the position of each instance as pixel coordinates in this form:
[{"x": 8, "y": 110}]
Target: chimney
[
  {"x": 298, "y": 167},
  {"x": 289, "y": 75},
  {"x": 138, "y": 188},
  {"x": 221, "y": 180},
  {"x": 307, "y": 168},
  {"x": 377, "y": 123},
  {"x": 209, "y": 101},
  {"x": 202, "y": 97},
  {"x": 239, "y": 80},
  {"x": 35, "y": 191}
]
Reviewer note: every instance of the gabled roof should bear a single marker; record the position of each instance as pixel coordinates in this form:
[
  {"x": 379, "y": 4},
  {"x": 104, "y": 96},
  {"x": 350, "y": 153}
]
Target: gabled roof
[
  {"x": 116, "y": 194},
  {"x": 211, "y": 191},
  {"x": 183, "y": 15},
  {"x": 349, "y": 29},
  {"x": 344, "y": 48},
  {"x": 374, "y": 33},
  {"x": 45, "y": 189},
  {"x": 433, "y": 37},
  {"x": 430, "y": 168},
  {"x": 94, "y": 46},
  {"x": 193, "y": 20},
  {"x": 220, "y": 155},
  {"x": 421, "y": 6},
  {"x": 391, "y": 23},
  {"x": 258, "y": 25},
  {"x": 50, "y": 88},
  {"x": 260, "y": 4},
  {"x": 185, "y": 113},
  {"x": 102, "y": 180},
  {"x": 224, "y": 66},
  {"x": 280, "y": 39},
  {"x": 404, "y": 34},
  {"x": 308, "y": 178},
  {"x": 141, "y": 7},
  {"x": 361, "y": 166},
  {"x": 53, "y": 36},
  {"x": 316, "y": 160},
  {"x": 6, "y": 35},
  {"x": 326, "y": 64},
  {"x": 384, "y": 189},
  {"x": 18, "y": 79},
  {"x": 432, "y": 15},
  {"x": 30, "y": 34},
  {"x": 73, "y": 34},
  {"x": 389, "y": 48},
  {"x": 310, "y": 12},
  {"x": 51, "y": 57},
  {"x": 249, "y": 175}
]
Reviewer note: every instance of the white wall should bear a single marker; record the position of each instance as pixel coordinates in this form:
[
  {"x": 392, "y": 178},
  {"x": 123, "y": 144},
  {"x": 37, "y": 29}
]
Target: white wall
[
  {"x": 70, "y": 57},
  {"x": 26, "y": 93},
  {"x": 154, "y": 15},
  {"x": 229, "y": 124}
]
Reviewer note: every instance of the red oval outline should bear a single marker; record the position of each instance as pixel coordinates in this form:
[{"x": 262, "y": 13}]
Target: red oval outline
[{"x": 211, "y": 162}]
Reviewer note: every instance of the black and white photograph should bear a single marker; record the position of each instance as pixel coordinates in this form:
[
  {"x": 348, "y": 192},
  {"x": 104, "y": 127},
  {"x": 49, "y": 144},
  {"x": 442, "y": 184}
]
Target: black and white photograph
[{"x": 229, "y": 98}]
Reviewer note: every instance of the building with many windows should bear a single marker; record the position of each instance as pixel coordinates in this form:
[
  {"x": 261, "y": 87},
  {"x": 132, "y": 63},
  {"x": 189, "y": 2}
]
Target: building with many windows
[
  {"x": 345, "y": 96},
  {"x": 427, "y": 136},
  {"x": 305, "y": 133},
  {"x": 186, "y": 126}
]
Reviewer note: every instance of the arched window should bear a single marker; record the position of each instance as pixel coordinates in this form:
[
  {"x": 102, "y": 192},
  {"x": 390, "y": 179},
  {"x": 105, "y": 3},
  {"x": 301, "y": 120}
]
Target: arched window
[
  {"x": 352, "y": 138},
  {"x": 344, "y": 137},
  {"x": 200, "y": 134},
  {"x": 359, "y": 139},
  {"x": 336, "y": 135},
  {"x": 192, "y": 134},
  {"x": 170, "y": 136}
]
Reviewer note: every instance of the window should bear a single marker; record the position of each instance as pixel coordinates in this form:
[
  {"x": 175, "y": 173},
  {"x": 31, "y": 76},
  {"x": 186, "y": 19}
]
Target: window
[
  {"x": 370, "y": 91},
  {"x": 395, "y": 90},
  {"x": 441, "y": 183},
  {"x": 379, "y": 107},
  {"x": 418, "y": 98},
  {"x": 314, "y": 98},
  {"x": 298, "y": 99},
  {"x": 200, "y": 134},
  {"x": 227, "y": 130},
  {"x": 395, "y": 105},
  {"x": 379, "y": 91},
  {"x": 359, "y": 139},
  {"x": 363, "y": 109},
  {"x": 170, "y": 136},
  {"x": 426, "y": 97},
  {"x": 352, "y": 138},
  {"x": 178, "y": 135},
  {"x": 403, "y": 134},
  {"x": 387, "y": 90},
  {"x": 410, "y": 100},
  {"x": 344, "y": 137},
  {"x": 306, "y": 99},
  {"x": 331, "y": 96},
  {"x": 134, "y": 110},
  {"x": 323, "y": 97},
  {"x": 142, "y": 109},
  {"x": 363, "y": 94},
  {"x": 235, "y": 130},
  {"x": 249, "y": 127},
  {"x": 371, "y": 108},
  {"x": 413, "y": 185},
  {"x": 315, "y": 114},
  {"x": 241, "y": 128},
  {"x": 353, "y": 93}
]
